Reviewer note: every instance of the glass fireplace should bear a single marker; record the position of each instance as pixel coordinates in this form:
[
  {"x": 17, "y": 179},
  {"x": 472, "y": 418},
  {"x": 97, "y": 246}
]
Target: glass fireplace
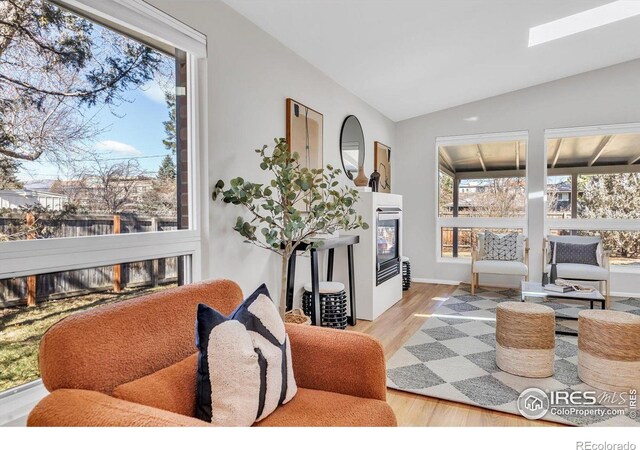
[{"x": 388, "y": 244}]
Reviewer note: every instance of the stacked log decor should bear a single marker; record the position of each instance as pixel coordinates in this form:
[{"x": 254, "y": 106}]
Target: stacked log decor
[
  {"x": 609, "y": 349},
  {"x": 525, "y": 339},
  {"x": 406, "y": 273},
  {"x": 333, "y": 304}
]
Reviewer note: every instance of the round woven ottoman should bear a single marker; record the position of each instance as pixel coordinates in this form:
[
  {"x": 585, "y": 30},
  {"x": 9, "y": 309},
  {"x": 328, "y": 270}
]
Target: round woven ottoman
[
  {"x": 525, "y": 339},
  {"x": 609, "y": 349}
]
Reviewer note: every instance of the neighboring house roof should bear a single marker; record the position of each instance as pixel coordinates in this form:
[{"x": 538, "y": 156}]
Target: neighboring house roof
[
  {"x": 16, "y": 198},
  {"x": 38, "y": 185},
  {"x": 563, "y": 186}
]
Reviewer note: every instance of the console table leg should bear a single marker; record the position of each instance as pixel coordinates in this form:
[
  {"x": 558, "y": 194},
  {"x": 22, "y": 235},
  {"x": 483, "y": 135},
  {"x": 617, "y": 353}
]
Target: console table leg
[
  {"x": 315, "y": 288},
  {"x": 352, "y": 286},
  {"x": 330, "y": 265},
  {"x": 291, "y": 280}
]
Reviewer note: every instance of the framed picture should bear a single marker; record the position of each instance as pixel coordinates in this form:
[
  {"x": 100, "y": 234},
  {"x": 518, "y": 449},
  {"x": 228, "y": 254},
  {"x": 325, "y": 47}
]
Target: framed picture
[
  {"x": 382, "y": 162},
  {"x": 304, "y": 133}
]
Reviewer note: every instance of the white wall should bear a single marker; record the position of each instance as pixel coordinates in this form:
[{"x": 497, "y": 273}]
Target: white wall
[
  {"x": 605, "y": 96},
  {"x": 250, "y": 75}
]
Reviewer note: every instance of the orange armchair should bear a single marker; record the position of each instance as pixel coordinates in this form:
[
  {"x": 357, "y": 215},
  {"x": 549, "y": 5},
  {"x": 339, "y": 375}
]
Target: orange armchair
[{"x": 133, "y": 364}]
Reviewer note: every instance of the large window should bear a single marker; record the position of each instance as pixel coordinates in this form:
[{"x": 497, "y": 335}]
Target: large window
[
  {"x": 481, "y": 185},
  {"x": 99, "y": 163},
  {"x": 59, "y": 295},
  {"x": 593, "y": 188}
]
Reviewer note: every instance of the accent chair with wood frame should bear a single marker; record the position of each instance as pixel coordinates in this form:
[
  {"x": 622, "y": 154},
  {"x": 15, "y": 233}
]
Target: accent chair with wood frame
[
  {"x": 581, "y": 272},
  {"x": 519, "y": 267}
]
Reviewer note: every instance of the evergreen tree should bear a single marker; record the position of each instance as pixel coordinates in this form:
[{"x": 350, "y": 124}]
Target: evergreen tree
[
  {"x": 167, "y": 169},
  {"x": 9, "y": 173}
]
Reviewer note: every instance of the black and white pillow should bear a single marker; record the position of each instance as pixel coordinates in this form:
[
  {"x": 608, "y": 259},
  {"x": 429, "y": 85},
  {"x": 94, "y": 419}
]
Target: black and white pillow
[
  {"x": 244, "y": 364},
  {"x": 500, "y": 247},
  {"x": 571, "y": 253}
]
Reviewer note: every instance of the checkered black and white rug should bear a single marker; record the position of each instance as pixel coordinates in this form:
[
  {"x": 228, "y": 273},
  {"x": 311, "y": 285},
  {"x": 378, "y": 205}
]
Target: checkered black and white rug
[{"x": 453, "y": 357}]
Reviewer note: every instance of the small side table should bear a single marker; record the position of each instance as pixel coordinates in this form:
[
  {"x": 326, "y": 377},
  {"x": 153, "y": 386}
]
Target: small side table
[{"x": 330, "y": 245}]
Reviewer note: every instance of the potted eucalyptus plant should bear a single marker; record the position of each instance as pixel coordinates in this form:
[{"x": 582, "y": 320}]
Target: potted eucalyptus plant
[{"x": 297, "y": 205}]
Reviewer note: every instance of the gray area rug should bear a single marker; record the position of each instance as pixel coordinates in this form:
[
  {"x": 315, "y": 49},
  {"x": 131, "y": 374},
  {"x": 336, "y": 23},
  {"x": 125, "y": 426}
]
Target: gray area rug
[{"x": 453, "y": 357}]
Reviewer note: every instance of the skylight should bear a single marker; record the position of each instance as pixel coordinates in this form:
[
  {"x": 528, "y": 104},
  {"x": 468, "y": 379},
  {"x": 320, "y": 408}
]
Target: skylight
[{"x": 583, "y": 21}]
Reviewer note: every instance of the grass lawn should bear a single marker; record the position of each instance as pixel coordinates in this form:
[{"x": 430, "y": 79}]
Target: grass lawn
[{"x": 21, "y": 329}]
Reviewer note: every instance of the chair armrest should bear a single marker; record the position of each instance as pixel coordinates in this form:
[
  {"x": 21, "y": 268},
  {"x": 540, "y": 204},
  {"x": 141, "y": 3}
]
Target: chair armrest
[
  {"x": 81, "y": 408},
  {"x": 474, "y": 250},
  {"x": 606, "y": 255},
  {"x": 339, "y": 361}
]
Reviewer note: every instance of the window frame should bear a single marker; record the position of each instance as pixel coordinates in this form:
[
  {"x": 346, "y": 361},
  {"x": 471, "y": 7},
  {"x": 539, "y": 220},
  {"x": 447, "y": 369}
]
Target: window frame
[
  {"x": 590, "y": 224},
  {"x": 477, "y": 222},
  {"x": 22, "y": 258}
]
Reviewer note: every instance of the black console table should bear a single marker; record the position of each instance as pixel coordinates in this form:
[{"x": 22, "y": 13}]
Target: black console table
[{"x": 327, "y": 244}]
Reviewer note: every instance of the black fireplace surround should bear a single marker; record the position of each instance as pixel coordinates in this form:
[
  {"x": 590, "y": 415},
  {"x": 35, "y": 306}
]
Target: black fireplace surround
[{"x": 388, "y": 222}]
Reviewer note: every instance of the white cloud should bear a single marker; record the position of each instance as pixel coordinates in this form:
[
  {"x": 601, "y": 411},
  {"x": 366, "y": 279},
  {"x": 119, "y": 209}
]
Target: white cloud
[
  {"x": 118, "y": 147},
  {"x": 154, "y": 92}
]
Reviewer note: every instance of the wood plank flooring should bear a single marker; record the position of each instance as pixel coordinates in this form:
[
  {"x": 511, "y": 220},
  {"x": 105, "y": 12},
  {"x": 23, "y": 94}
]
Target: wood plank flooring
[{"x": 395, "y": 327}]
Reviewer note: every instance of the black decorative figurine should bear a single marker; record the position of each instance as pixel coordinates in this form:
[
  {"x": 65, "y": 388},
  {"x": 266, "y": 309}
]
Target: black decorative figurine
[
  {"x": 374, "y": 181},
  {"x": 554, "y": 274},
  {"x": 554, "y": 269}
]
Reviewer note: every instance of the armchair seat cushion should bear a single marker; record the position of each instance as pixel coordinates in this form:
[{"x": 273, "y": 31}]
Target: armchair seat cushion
[
  {"x": 580, "y": 272},
  {"x": 500, "y": 267},
  {"x": 314, "y": 408}
]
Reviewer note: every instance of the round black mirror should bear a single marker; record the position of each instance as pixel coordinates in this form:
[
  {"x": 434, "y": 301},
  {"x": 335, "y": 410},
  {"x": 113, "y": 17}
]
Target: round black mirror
[{"x": 351, "y": 146}]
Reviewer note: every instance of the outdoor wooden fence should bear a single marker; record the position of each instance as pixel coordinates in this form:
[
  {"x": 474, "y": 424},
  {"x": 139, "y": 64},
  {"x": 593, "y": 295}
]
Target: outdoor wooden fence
[{"x": 31, "y": 289}]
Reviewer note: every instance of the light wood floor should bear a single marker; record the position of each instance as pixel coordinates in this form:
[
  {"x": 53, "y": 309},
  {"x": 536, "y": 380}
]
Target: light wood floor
[{"x": 395, "y": 327}]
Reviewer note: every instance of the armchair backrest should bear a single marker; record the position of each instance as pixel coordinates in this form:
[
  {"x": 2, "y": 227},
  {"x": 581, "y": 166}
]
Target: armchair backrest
[
  {"x": 570, "y": 239},
  {"x": 575, "y": 239},
  {"x": 521, "y": 245},
  {"x": 105, "y": 347}
]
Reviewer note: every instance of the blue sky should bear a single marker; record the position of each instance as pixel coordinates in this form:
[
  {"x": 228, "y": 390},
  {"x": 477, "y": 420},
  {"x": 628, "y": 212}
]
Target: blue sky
[{"x": 135, "y": 132}]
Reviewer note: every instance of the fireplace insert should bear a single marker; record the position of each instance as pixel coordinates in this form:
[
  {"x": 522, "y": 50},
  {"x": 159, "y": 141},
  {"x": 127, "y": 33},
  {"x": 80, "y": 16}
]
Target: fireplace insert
[{"x": 388, "y": 244}]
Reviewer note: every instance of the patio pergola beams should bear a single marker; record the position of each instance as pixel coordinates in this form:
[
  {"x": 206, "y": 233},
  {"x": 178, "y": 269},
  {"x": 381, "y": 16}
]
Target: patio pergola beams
[
  {"x": 558, "y": 171},
  {"x": 599, "y": 150},
  {"x": 556, "y": 154}
]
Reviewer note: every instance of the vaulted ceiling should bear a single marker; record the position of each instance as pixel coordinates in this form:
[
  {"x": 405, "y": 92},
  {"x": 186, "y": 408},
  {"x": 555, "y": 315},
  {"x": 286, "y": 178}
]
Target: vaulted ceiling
[{"x": 411, "y": 57}]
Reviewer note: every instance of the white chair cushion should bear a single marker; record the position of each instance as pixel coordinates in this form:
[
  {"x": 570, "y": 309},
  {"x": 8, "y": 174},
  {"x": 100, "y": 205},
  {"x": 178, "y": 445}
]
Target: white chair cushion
[
  {"x": 580, "y": 272},
  {"x": 500, "y": 267},
  {"x": 326, "y": 287}
]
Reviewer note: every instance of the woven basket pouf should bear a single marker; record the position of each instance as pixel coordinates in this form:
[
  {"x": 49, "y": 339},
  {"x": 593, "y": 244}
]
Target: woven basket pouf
[
  {"x": 406, "y": 273},
  {"x": 525, "y": 339},
  {"x": 333, "y": 304},
  {"x": 609, "y": 349}
]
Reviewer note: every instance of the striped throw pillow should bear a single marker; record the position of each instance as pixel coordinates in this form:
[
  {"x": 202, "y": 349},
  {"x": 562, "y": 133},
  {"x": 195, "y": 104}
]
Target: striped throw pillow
[{"x": 244, "y": 364}]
